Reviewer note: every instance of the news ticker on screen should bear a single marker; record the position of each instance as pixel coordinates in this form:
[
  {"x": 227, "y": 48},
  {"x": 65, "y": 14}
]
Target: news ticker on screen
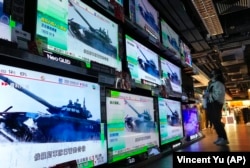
[{"x": 211, "y": 159}]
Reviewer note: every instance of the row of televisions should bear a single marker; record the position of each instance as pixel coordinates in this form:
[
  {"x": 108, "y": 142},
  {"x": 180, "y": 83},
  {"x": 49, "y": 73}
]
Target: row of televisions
[
  {"x": 47, "y": 119},
  {"x": 71, "y": 30}
]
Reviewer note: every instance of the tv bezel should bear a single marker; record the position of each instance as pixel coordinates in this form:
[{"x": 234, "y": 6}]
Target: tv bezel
[
  {"x": 183, "y": 55},
  {"x": 170, "y": 49},
  {"x": 135, "y": 19},
  {"x": 182, "y": 128},
  {"x": 10, "y": 26},
  {"x": 173, "y": 93},
  {"x": 187, "y": 136},
  {"x": 45, "y": 66},
  {"x": 86, "y": 59},
  {"x": 143, "y": 80},
  {"x": 136, "y": 92}
]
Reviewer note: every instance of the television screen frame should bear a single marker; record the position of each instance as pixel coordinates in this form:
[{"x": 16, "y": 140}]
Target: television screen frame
[
  {"x": 146, "y": 16},
  {"x": 115, "y": 7},
  {"x": 126, "y": 136},
  {"x": 190, "y": 113},
  {"x": 140, "y": 68},
  {"x": 186, "y": 54},
  {"x": 170, "y": 39},
  {"x": 31, "y": 85},
  {"x": 171, "y": 78},
  {"x": 7, "y": 24},
  {"x": 171, "y": 127},
  {"x": 72, "y": 29}
]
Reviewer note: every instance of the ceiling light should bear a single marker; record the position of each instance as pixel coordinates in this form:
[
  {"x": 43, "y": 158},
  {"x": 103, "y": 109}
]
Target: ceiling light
[{"x": 209, "y": 16}]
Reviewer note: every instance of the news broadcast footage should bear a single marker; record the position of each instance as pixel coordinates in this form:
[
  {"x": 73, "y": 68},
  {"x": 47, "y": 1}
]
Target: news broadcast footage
[
  {"x": 73, "y": 29},
  {"x": 131, "y": 125},
  {"x": 143, "y": 63},
  {"x": 48, "y": 119},
  {"x": 170, "y": 117}
]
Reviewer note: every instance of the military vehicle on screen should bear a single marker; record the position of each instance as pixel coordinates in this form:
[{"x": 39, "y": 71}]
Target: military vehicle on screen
[
  {"x": 66, "y": 123},
  {"x": 148, "y": 65},
  {"x": 95, "y": 38},
  {"x": 148, "y": 16},
  {"x": 142, "y": 123}
]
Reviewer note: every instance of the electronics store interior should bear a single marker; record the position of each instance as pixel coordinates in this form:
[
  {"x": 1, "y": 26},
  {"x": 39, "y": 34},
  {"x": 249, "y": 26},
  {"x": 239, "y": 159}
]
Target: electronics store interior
[{"x": 146, "y": 64}]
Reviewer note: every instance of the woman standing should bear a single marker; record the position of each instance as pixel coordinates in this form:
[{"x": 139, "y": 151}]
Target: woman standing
[{"x": 215, "y": 100}]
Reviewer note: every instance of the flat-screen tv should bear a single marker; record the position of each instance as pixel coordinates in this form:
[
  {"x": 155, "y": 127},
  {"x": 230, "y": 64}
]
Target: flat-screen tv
[
  {"x": 74, "y": 29},
  {"x": 146, "y": 16},
  {"x": 170, "y": 119},
  {"x": 6, "y": 24},
  {"x": 115, "y": 7},
  {"x": 190, "y": 115},
  {"x": 185, "y": 54},
  {"x": 170, "y": 39},
  {"x": 143, "y": 63},
  {"x": 171, "y": 78},
  {"x": 47, "y": 119},
  {"x": 131, "y": 125}
]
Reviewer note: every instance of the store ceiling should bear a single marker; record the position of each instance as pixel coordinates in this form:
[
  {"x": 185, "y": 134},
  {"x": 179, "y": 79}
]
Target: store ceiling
[{"x": 228, "y": 51}]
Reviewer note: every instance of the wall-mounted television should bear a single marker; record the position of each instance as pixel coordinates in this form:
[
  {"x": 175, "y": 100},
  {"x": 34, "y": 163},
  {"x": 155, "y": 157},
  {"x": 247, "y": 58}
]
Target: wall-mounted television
[
  {"x": 131, "y": 125},
  {"x": 143, "y": 63},
  {"x": 190, "y": 117},
  {"x": 74, "y": 29},
  {"x": 170, "y": 119},
  {"x": 47, "y": 119},
  {"x": 6, "y": 24},
  {"x": 170, "y": 39},
  {"x": 171, "y": 78},
  {"x": 185, "y": 54},
  {"x": 146, "y": 16},
  {"x": 115, "y": 7}
]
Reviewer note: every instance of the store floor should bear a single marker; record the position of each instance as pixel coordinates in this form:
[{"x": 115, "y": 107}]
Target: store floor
[{"x": 239, "y": 141}]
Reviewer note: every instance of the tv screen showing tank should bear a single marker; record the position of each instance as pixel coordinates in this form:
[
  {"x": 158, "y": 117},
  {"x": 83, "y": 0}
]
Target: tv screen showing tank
[
  {"x": 131, "y": 126},
  {"x": 143, "y": 63},
  {"x": 171, "y": 77},
  {"x": 73, "y": 29},
  {"x": 48, "y": 119},
  {"x": 6, "y": 24},
  {"x": 170, "y": 39},
  {"x": 146, "y": 16},
  {"x": 185, "y": 54},
  {"x": 171, "y": 128},
  {"x": 190, "y": 119}
]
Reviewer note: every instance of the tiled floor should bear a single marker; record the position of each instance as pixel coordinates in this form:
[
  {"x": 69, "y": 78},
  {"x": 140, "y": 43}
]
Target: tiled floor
[{"x": 239, "y": 141}]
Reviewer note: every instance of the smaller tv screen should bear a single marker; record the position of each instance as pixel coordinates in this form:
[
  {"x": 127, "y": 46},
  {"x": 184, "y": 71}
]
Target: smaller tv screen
[
  {"x": 190, "y": 115},
  {"x": 74, "y": 29},
  {"x": 115, "y": 7},
  {"x": 123, "y": 80},
  {"x": 171, "y": 77},
  {"x": 6, "y": 24},
  {"x": 186, "y": 54},
  {"x": 48, "y": 119},
  {"x": 131, "y": 126},
  {"x": 146, "y": 16},
  {"x": 143, "y": 63},
  {"x": 170, "y": 39},
  {"x": 171, "y": 128}
]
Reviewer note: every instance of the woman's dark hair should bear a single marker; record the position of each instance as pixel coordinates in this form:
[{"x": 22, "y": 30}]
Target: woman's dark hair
[{"x": 219, "y": 75}]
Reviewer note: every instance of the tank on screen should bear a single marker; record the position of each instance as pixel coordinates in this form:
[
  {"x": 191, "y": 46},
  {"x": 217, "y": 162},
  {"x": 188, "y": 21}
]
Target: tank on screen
[
  {"x": 148, "y": 16},
  {"x": 173, "y": 77},
  {"x": 96, "y": 38},
  {"x": 142, "y": 123},
  {"x": 173, "y": 118},
  {"x": 58, "y": 124},
  {"x": 147, "y": 65}
]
